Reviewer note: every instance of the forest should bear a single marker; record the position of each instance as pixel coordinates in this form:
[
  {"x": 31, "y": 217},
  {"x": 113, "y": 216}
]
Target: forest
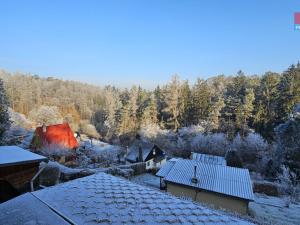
[{"x": 253, "y": 117}]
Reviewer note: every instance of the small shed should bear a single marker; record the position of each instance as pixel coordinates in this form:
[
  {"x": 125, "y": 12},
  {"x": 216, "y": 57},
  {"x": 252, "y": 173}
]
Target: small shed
[
  {"x": 217, "y": 185},
  {"x": 17, "y": 167},
  {"x": 151, "y": 154},
  {"x": 59, "y": 134}
]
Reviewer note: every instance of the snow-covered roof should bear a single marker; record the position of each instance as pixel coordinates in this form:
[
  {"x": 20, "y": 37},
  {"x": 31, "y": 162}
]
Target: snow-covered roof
[
  {"x": 14, "y": 155},
  {"x": 226, "y": 180},
  {"x": 105, "y": 199},
  {"x": 134, "y": 150},
  {"x": 27, "y": 209},
  {"x": 166, "y": 168},
  {"x": 212, "y": 159}
]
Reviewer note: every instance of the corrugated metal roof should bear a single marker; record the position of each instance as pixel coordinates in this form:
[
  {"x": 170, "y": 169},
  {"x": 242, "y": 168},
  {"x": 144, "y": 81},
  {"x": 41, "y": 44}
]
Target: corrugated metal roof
[
  {"x": 222, "y": 179},
  {"x": 105, "y": 199},
  {"x": 212, "y": 159},
  {"x": 165, "y": 168}
]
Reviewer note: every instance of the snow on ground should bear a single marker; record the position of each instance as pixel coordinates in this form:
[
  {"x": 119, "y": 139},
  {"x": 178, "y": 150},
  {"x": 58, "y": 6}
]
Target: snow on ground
[
  {"x": 99, "y": 147},
  {"x": 273, "y": 210},
  {"x": 146, "y": 179}
]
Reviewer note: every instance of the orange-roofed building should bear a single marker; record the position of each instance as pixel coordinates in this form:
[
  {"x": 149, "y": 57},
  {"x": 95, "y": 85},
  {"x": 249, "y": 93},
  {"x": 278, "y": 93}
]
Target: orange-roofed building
[{"x": 59, "y": 134}]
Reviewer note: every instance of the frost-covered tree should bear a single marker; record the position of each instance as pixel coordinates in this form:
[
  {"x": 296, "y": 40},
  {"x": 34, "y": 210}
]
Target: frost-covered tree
[
  {"x": 47, "y": 115},
  {"x": 288, "y": 138},
  {"x": 4, "y": 115},
  {"x": 86, "y": 128},
  {"x": 113, "y": 106},
  {"x": 250, "y": 148}
]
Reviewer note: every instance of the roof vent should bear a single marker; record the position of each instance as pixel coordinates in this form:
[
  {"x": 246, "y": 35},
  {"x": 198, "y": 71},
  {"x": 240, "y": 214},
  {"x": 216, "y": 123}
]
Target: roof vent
[{"x": 194, "y": 179}]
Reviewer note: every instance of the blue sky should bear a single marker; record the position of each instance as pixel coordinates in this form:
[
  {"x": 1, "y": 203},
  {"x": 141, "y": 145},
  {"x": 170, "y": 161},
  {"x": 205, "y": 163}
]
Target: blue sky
[{"x": 146, "y": 42}]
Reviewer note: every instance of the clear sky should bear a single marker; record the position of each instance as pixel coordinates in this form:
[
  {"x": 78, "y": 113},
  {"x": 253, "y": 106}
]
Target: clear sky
[{"x": 145, "y": 42}]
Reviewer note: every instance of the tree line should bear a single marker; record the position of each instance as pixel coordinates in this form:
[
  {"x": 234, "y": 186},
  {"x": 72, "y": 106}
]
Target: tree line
[{"x": 228, "y": 104}]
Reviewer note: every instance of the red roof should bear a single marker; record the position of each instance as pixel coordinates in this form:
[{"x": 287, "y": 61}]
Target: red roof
[{"x": 60, "y": 134}]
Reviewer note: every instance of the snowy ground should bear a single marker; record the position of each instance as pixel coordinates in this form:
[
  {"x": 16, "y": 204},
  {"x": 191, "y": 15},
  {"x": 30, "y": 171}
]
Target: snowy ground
[
  {"x": 98, "y": 146},
  {"x": 273, "y": 210},
  {"x": 146, "y": 179}
]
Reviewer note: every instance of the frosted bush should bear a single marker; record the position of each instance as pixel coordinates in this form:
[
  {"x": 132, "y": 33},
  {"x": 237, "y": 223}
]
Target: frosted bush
[
  {"x": 165, "y": 139},
  {"x": 19, "y": 119},
  {"x": 54, "y": 150},
  {"x": 191, "y": 130},
  {"x": 215, "y": 144},
  {"x": 286, "y": 187}
]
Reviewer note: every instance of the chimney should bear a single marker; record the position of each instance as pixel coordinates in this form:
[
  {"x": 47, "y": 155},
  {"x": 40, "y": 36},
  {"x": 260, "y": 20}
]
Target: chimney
[
  {"x": 140, "y": 153},
  {"x": 44, "y": 128},
  {"x": 194, "y": 179}
]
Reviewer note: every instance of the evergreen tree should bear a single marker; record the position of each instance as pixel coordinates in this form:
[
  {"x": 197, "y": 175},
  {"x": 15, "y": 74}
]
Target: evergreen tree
[
  {"x": 201, "y": 101},
  {"x": 289, "y": 88},
  {"x": 126, "y": 125},
  {"x": 186, "y": 105},
  {"x": 172, "y": 98},
  {"x": 265, "y": 116},
  {"x": 4, "y": 116},
  {"x": 247, "y": 109},
  {"x": 150, "y": 113},
  {"x": 160, "y": 106},
  {"x": 133, "y": 107},
  {"x": 215, "y": 114}
]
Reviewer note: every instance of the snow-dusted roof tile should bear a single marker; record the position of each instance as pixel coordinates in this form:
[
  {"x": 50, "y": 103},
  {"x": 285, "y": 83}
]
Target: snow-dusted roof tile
[
  {"x": 27, "y": 209},
  {"x": 211, "y": 159},
  {"x": 14, "y": 155},
  {"x": 105, "y": 199},
  {"x": 221, "y": 179}
]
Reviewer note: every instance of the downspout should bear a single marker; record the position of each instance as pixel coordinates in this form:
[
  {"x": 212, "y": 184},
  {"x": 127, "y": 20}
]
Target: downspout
[{"x": 35, "y": 176}]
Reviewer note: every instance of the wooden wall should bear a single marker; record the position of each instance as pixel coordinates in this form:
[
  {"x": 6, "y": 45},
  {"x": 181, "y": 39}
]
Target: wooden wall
[
  {"x": 19, "y": 176},
  {"x": 210, "y": 198}
]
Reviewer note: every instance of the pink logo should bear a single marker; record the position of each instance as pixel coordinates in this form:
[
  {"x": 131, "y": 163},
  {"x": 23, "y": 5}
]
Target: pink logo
[{"x": 297, "y": 20}]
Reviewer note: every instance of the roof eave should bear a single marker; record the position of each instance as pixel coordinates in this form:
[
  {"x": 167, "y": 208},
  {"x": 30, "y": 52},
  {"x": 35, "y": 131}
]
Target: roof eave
[
  {"x": 24, "y": 162},
  {"x": 195, "y": 187}
]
